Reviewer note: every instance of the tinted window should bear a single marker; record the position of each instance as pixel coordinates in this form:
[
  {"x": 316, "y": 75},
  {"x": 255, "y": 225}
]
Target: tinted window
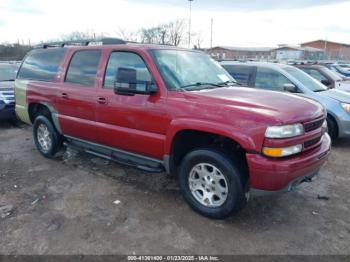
[
  {"x": 42, "y": 64},
  {"x": 126, "y": 60},
  {"x": 83, "y": 67},
  {"x": 270, "y": 79},
  {"x": 241, "y": 73},
  {"x": 314, "y": 73}
]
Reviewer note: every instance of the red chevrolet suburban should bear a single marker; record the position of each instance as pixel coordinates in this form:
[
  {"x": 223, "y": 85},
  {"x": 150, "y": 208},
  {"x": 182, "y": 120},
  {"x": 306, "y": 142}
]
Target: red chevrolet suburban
[{"x": 161, "y": 108}]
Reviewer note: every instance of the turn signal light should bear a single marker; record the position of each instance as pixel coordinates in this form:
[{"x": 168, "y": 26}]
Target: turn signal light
[{"x": 283, "y": 151}]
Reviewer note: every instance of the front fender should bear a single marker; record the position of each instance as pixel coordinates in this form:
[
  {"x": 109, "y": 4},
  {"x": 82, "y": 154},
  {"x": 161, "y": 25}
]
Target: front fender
[{"x": 240, "y": 136}]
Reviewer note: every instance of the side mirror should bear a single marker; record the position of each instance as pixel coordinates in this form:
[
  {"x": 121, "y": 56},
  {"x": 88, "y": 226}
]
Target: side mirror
[
  {"x": 290, "y": 88},
  {"x": 126, "y": 83},
  {"x": 326, "y": 82}
]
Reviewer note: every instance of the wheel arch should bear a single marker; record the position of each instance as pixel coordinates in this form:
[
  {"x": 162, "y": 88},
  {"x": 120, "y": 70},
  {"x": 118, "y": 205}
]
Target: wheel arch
[
  {"x": 196, "y": 138},
  {"x": 43, "y": 108}
]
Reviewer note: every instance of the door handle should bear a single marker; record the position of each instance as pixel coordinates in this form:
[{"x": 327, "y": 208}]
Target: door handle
[
  {"x": 102, "y": 100},
  {"x": 64, "y": 95}
]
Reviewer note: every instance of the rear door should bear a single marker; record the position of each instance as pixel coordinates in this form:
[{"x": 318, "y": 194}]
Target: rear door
[{"x": 77, "y": 95}]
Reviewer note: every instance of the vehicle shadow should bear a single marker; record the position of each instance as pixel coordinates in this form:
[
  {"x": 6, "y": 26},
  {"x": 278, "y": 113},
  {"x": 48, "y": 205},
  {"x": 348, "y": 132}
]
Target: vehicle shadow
[
  {"x": 341, "y": 143},
  {"x": 8, "y": 124}
]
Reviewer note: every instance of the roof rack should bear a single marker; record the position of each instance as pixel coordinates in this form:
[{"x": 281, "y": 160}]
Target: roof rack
[{"x": 83, "y": 42}]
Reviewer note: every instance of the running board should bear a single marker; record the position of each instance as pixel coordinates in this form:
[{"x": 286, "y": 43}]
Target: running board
[{"x": 143, "y": 163}]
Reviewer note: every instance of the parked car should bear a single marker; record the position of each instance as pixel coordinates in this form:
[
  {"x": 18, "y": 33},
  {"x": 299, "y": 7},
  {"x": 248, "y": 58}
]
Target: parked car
[
  {"x": 161, "y": 108},
  {"x": 8, "y": 73},
  {"x": 338, "y": 69},
  {"x": 326, "y": 76},
  {"x": 286, "y": 78}
]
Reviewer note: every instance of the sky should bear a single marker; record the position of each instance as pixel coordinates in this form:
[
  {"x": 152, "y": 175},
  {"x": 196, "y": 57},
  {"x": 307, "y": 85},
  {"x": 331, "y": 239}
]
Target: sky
[{"x": 253, "y": 23}]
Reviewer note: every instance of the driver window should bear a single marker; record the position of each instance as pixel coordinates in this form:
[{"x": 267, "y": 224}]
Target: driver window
[
  {"x": 267, "y": 78},
  {"x": 126, "y": 60}
]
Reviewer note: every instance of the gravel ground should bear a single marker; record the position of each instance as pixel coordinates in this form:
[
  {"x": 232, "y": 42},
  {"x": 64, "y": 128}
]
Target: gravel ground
[{"x": 80, "y": 204}]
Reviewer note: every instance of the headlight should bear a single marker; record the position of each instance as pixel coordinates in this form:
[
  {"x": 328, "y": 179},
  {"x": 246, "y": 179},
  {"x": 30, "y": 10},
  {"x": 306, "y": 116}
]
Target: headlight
[
  {"x": 282, "y": 152},
  {"x": 346, "y": 107},
  {"x": 284, "y": 131}
]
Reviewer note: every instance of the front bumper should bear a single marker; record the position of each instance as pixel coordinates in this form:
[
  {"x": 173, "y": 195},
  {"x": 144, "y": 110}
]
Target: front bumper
[
  {"x": 7, "y": 112},
  {"x": 269, "y": 175}
]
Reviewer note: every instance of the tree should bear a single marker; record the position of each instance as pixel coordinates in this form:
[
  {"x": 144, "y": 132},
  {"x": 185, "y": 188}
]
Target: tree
[
  {"x": 78, "y": 35},
  {"x": 177, "y": 31},
  {"x": 171, "y": 33},
  {"x": 199, "y": 39},
  {"x": 128, "y": 35}
]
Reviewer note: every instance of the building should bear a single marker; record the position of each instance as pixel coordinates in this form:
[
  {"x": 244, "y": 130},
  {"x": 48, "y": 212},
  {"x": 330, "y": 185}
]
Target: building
[
  {"x": 240, "y": 53},
  {"x": 333, "y": 50},
  {"x": 285, "y": 52}
]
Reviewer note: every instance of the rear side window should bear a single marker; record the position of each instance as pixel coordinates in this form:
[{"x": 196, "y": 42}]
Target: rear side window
[
  {"x": 83, "y": 67},
  {"x": 42, "y": 64},
  {"x": 242, "y": 74},
  {"x": 126, "y": 60}
]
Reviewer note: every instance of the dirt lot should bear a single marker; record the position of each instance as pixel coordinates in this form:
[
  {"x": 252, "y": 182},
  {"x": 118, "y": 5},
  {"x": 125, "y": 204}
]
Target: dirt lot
[{"x": 66, "y": 206}]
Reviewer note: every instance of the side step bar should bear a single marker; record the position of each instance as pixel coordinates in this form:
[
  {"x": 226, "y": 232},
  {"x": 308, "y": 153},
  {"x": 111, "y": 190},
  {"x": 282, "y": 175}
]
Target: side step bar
[{"x": 143, "y": 163}]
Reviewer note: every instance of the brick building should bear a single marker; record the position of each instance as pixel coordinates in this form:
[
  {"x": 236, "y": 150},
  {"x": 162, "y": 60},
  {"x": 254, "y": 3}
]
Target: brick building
[
  {"x": 240, "y": 53},
  {"x": 333, "y": 50}
]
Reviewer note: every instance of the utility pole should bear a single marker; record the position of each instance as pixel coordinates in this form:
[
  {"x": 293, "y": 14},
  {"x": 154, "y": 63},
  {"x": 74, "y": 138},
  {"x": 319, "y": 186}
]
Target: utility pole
[
  {"x": 189, "y": 24},
  {"x": 211, "y": 32}
]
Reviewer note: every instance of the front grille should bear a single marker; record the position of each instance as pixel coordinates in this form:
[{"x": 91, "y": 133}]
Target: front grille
[
  {"x": 312, "y": 142},
  {"x": 313, "y": 125}
]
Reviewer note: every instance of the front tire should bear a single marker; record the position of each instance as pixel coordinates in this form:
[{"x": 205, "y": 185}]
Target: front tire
[
  {"x": 46, "y": 138},
  {"x": 212, "y": 184},
  {"x": 332, "y": 128}
]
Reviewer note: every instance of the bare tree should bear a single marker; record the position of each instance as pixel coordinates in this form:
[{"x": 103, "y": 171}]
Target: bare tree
[
  {"x": 78, "y": 35},
  {"x": 199, "y": 39},
  {"x": 126, "y": 35},
  {"x": 176, "y": 31},
  {"x": 171, "y": 33}
]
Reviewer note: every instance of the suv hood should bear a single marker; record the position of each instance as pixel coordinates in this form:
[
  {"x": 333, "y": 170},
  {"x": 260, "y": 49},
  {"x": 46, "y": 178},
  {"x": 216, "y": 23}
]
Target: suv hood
[
  {"x": 336, "y": 94},
  {"x": 281, "y": 108}
]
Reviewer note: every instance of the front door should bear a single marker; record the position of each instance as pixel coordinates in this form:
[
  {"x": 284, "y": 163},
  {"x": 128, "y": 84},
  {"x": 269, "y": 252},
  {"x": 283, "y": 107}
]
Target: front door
[{"x": 133, "y": 123}]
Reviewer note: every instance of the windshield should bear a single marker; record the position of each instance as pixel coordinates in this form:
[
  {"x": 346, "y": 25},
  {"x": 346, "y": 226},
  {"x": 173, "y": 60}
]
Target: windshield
[
  {"x": 8, "y": 72},
  {"x": 332, "y": 74},
  {"x": 306, "y": 80},
  {"x": 341, "y": 69},
  {"x": 189, "y": 70}
]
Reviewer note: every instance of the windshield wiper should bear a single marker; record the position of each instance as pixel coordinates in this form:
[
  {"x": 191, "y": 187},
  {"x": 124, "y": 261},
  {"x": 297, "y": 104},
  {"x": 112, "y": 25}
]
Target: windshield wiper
[
  {"x": 8, "y": 80},
  {"x": 199, "y": 84},
  {"x": 229, "y": 83}
]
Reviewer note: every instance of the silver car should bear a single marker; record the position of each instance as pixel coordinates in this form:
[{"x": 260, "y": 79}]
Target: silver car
[{"x": 281, "y": 77}]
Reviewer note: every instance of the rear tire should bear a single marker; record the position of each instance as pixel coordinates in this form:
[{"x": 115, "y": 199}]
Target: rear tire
[
  {"x": 47, "y": 140},
  {"x": 212, "y": 184},
  {"x": 332, "y": 128}
]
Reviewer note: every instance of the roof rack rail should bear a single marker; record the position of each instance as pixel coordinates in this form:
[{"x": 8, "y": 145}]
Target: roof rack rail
[{"x": 83, "y": 42}]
